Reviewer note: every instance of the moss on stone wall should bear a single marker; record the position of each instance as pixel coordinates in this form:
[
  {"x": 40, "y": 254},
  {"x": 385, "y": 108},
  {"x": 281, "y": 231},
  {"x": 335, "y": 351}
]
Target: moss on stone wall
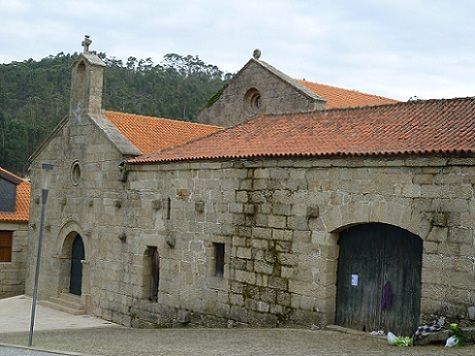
[{"x": 216, "y": 96}]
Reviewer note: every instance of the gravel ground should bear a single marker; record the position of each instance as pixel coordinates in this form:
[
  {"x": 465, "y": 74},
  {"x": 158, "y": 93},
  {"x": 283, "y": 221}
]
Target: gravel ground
[{"x": 120, "y": 341}]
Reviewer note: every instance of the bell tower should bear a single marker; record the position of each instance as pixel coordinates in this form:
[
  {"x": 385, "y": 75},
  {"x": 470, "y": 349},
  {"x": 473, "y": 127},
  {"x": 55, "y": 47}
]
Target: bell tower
[{"x": 86, "y": 83}]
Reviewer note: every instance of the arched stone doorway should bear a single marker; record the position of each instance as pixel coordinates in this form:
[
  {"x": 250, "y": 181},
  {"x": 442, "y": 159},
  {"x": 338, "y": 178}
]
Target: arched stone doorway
[
  {"x": 77, "y": 258},
  {"x": 379, "y": 278},
  {"x": 73, "y": 269}
]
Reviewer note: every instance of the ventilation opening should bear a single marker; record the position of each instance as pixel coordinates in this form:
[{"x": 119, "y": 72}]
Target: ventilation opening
[
  {"x": 218, "y": 259},
  {"x": 169, "y": 208}
]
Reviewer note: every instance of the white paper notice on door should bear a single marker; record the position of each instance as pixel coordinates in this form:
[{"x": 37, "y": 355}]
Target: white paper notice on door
[{"x": 354, "y": 280}]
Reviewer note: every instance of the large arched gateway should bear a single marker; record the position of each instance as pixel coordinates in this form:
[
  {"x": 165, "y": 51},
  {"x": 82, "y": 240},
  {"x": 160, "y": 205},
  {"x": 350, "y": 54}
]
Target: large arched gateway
[{"x": 379, "y": 278}]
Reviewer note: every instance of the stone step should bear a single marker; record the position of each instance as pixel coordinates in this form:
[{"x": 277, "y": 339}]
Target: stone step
[
  {"x": 66, "y": 302},
  {"x": 71, "y": 297},
  {"x": 63, "y": 308}
]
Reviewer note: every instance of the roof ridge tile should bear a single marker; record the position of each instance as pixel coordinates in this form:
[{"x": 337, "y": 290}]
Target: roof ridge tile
[{"x": 400, "y": 103}]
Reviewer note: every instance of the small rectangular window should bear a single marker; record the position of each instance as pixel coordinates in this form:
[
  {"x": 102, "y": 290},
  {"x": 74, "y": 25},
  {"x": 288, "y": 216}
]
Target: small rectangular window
[
  {"x": 218, "y": 259},
  {"x": 6, "y": 239}
]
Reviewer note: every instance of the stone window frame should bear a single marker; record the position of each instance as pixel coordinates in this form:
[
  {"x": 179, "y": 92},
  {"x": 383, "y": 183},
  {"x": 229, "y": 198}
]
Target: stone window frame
[
  {"x": 75, "y": 172},
  {"x": 217, "y": 281},
  {"x": 253, "y": 101}
]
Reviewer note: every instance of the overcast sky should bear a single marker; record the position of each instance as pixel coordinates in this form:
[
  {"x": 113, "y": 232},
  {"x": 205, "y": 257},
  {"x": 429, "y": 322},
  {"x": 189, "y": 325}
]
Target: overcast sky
[{"x": 394, "y": 48}]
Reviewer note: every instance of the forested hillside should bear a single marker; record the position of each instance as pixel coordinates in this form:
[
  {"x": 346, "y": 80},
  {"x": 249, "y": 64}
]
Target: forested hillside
[{"x": 34, "y": 95}]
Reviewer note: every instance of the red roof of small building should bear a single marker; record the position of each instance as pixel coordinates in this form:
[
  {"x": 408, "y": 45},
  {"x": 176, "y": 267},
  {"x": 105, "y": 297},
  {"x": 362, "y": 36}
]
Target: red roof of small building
[
  {"x": 22, "y": 202},
  {"x": 151, "y": 134},
  {"x": 418, "y": 127},
  {"x": 344, "y": 98}
]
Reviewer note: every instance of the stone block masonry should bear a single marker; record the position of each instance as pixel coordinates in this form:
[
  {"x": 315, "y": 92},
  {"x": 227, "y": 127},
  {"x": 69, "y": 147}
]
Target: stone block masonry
[
  {"x": 279, "y": 221},
  {"x": 276, "y": 96},
  {"x": 93, "y": 206}
]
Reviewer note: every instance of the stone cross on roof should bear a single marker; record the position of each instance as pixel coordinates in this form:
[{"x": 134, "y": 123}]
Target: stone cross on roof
[{"x": 87, "y": 41}]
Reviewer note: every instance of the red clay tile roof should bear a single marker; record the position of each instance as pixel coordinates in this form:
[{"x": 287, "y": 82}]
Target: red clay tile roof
[
  {"x": 151, "y": 134},
  {"x": 344, "y": 98},
  {"x": 418, "y": 127},
  {"x": 22, "y": 208}
]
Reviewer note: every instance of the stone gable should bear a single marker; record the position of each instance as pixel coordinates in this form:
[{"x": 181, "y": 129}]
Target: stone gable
[
  {"x": 84, "y": 198},
  {"x": 256, "y": 90}
]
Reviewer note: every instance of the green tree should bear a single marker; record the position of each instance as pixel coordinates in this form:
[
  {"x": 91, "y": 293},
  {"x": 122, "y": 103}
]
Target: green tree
[{"x": 34, "y": 95}]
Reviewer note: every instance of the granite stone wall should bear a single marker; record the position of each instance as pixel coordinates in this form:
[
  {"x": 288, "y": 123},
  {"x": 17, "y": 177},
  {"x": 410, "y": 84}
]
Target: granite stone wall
[
  {"x": 279, "y": 221},
  {"x": 91, "y": 206}
]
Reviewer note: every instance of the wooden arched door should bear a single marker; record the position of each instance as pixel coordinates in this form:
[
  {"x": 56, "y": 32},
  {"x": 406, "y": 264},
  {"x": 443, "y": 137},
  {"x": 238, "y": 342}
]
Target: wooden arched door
[
  {"x": 379, "y": 279},
  {"x": 77, "y": 256}
]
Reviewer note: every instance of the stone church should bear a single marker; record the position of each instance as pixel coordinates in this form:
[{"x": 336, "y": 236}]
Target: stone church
[{"x": 316, "y": 205}]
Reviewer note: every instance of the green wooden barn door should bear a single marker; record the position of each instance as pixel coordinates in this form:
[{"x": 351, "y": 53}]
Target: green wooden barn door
[{"x": 379, "y": 272}]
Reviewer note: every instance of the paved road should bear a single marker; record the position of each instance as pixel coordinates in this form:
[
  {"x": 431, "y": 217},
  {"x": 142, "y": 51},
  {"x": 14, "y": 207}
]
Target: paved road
[
  {"x": 200, "y": 341},
  {"x": 15, "y": 316},
  {"x": 10, "y": 351}
]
